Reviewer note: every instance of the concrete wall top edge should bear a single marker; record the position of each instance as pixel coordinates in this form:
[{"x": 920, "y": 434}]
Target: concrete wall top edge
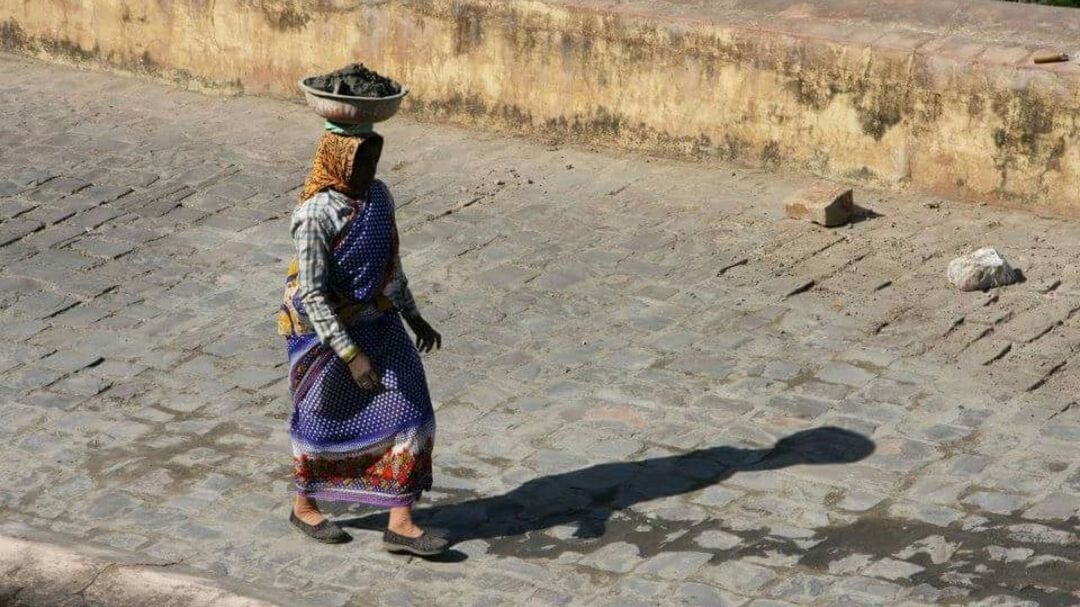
[
  {"x": 992, "y": 33},
  {"x": 1006, "y": 33},
  {"x": 988, "y": 21},
  {"x": 988, "y": 32}
]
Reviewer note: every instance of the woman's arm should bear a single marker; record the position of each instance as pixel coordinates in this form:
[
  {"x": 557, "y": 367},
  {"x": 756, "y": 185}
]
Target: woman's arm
[
  {"x": 398, "y": 292},
  {"x": 427, "y": 338},
  {"x": 397, "y": 289},
  {"x": 313, "y": 231}
]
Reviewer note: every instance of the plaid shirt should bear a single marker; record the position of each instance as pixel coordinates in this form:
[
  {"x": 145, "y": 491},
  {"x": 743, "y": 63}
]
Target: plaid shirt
[{"x": 316, "y": 223}]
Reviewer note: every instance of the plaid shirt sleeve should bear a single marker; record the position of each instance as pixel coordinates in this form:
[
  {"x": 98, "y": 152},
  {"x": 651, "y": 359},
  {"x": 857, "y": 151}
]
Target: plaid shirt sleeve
[{"x": 315, "y": 224}]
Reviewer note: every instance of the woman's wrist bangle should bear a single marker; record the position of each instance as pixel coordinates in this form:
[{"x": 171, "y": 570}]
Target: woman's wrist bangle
[{"x": 349, "y": 354}]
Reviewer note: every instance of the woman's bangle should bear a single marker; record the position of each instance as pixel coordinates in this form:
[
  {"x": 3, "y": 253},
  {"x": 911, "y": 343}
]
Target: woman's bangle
[{"x": 350, "y": 354}]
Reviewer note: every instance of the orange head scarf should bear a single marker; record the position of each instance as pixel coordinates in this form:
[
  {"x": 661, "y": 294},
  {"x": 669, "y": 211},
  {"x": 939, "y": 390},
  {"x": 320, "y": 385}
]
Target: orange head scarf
[{"x": 333, "y": 165}]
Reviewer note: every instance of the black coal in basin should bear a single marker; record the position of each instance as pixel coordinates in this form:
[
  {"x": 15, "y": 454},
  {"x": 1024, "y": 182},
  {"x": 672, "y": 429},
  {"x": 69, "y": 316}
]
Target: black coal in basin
[{"x": 355, "y": 81}]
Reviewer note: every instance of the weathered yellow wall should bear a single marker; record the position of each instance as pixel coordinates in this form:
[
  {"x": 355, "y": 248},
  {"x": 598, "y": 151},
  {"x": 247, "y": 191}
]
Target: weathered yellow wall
[{"x": 885, "y": 113}]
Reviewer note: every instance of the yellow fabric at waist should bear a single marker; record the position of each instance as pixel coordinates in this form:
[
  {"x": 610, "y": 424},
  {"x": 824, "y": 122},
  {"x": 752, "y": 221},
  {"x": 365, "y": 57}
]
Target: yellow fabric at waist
[{"x": 290, "y": 324}]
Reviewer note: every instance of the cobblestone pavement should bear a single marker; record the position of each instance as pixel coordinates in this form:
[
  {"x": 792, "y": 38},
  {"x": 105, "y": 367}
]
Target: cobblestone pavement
[{"x": 655, "y": 389}]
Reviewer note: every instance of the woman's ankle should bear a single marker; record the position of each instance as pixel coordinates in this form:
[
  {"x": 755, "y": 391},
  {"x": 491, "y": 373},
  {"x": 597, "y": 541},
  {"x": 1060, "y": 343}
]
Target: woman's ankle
[
  {"x": 401, "y": 523},
  {"x": 409, "y": 529},
  {"x": 307, "y": 510}
]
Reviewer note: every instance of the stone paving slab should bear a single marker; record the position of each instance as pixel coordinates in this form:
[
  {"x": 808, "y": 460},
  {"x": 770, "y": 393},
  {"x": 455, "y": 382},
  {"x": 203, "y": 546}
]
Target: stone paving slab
[
  {"x": 655, "y": 389},
  {"x": 40, "y": 568}
]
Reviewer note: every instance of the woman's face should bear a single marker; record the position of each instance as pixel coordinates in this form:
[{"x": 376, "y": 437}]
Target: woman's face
[{"x": 365, "y": 163}]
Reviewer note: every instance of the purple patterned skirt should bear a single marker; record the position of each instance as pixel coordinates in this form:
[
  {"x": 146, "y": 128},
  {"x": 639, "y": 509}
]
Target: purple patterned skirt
[{"x": 356, "y": 446}]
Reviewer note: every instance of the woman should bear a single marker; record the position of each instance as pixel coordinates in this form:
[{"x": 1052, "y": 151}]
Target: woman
[{"x": 363, "y": 427}]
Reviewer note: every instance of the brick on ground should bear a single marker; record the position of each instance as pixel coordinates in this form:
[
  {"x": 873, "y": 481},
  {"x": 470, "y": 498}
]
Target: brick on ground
[{"x": 824, "y": 203}]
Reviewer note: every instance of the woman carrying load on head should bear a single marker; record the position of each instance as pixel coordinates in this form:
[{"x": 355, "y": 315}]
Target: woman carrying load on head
[{"x": 363, "y": 427}]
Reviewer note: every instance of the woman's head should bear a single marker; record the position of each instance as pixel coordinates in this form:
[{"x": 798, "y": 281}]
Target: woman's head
[
  {"x": 365, "y": 162},
  {"x": 343, "y": 163}
]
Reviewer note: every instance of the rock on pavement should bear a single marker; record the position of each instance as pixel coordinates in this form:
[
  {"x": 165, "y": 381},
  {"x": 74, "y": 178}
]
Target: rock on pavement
[
  {"x": 823, "y": 203},
  {"x": 984, "y": 269}
]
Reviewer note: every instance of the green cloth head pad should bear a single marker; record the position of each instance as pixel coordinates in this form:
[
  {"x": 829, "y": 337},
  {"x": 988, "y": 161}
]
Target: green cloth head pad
[{"x": 351, "y": 130}]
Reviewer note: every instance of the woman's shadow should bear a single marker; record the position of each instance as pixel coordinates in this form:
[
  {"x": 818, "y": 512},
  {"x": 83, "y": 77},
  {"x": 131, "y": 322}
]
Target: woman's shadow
[{"x": 588, "y": 497}]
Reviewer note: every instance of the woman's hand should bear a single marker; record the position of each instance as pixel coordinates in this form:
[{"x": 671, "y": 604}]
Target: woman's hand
[
  {"x": 364, "y": 374},
  {"x": 427, "y": 338}
]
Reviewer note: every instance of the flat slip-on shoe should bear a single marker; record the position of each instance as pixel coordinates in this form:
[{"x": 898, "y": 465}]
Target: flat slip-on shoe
[
  {"x": 326, "y": 532},
  {"x": 425, "y": 545}
]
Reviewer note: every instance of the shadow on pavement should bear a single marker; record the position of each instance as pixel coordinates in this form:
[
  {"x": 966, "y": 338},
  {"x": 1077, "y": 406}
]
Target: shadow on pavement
[{"x": 588, "y": 497}]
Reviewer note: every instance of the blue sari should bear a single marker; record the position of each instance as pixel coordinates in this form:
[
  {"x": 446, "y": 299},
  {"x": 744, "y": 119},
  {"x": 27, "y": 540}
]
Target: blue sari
[{"x": 349, "y": 444}]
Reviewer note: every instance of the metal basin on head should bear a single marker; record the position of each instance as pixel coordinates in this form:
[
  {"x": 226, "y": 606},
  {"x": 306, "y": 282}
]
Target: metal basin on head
[{"x": 346, "y": 109}]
